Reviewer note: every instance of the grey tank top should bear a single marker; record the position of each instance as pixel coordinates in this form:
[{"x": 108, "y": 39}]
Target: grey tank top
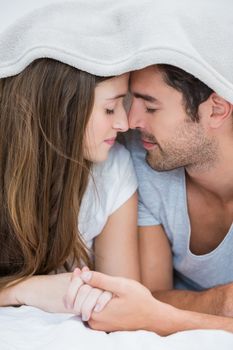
[{"x": 162, "y": 201}]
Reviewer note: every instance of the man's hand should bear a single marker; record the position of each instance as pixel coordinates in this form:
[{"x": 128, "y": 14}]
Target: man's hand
[{"x": 132, "y": 307}]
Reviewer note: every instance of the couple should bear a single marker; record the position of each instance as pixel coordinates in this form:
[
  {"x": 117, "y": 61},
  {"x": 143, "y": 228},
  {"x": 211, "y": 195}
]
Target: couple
[
  {"x": 184, "y": 208},
  {"x": 64, "y": 163},
  {"x": 68, "y": 197}
]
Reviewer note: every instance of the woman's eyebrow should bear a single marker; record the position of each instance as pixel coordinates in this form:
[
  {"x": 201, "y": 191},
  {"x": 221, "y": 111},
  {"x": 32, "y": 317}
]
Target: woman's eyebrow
[{"x": 117, "y": 96}]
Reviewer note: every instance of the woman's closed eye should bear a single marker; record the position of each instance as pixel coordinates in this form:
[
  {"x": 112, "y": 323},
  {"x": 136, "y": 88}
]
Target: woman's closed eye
[{"x": 109, "y": 111}]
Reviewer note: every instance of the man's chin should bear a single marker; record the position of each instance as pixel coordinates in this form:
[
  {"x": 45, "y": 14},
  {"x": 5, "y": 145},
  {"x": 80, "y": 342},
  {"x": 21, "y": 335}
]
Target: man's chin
[
  {"x": 156, "y": 164},
  {"x": 152, "y": 162}
]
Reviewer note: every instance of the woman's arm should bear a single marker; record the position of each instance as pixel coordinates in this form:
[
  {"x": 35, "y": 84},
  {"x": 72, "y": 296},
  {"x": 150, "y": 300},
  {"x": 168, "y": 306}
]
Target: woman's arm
[
  {"x": 49, "y": 293},
  {"x": 45, "y": 292},
  {"x": 155, "y": 258},
  {"x": 116, "y": 248},
  {"x": 116, "y": 253}
]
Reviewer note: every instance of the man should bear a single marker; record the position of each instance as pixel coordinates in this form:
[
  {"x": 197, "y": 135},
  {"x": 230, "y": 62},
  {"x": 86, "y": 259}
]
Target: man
[{"x": 185, "y": 209}]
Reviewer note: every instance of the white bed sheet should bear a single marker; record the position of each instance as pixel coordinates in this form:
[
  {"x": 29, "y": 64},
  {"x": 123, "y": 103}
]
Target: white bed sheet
[{"x": 27, "y": 328}]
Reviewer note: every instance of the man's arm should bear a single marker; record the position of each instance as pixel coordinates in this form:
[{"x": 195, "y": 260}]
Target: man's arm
[
  {"x": 133, "y": 308},
  {"x": 157, "y": 270},
  {"x": 216, "y": 301}
]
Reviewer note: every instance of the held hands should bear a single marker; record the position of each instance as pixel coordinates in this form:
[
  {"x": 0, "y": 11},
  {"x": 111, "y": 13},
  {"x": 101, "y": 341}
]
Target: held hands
[
  {"x": 128, "y": 308},
  {"x": 82, "y": 299},
  {"x": 89, "y": 293},
  {"x": 132, "y": 306},
  {"x": 107, "y": 303},
  {"x": 129, "y": 303},
  {"x": 125, "y": 304}
]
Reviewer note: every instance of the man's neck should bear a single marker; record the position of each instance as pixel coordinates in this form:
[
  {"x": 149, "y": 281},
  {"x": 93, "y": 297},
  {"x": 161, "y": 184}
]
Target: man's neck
[{"x": 216, "y": 180}]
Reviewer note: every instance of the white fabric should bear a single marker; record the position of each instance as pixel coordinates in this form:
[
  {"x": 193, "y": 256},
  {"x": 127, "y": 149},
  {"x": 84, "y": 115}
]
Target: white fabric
[
  {"x": 27, "y": 328},
  {"x": 112, "y": 184},
  {"x": 107, "y": 37}
]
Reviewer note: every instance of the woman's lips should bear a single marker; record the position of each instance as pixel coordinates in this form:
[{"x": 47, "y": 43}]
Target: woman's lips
[{"x": 111, "y": 141}]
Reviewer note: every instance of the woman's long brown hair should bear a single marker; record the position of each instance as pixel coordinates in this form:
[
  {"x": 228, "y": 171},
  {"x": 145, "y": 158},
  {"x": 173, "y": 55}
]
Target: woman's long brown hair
[{"x": 44, "y": 111}]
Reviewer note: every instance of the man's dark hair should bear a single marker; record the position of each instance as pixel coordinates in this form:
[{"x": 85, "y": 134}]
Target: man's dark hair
[{"x": 193, "y": 90}]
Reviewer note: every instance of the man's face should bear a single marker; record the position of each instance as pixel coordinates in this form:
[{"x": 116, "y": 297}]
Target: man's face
[{"x": 168, "y": 134}]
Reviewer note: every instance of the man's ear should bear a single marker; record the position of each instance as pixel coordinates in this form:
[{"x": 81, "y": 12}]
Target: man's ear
[{"x": 221, "y": 110}]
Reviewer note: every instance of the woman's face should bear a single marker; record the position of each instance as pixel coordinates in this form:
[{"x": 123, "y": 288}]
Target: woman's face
[{"x": 108, "y": 117}]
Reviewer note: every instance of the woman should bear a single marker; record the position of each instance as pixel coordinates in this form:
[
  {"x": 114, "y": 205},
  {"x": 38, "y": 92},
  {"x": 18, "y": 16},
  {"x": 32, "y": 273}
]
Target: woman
[{"x": 62, "y": 199}]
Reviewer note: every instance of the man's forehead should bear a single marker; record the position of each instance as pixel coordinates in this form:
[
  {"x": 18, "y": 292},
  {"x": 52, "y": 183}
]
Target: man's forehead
[
  {"x": 147, "y": 76},
  {"x": 144, "y": 72},
  {"x": 149, "y": 85}
]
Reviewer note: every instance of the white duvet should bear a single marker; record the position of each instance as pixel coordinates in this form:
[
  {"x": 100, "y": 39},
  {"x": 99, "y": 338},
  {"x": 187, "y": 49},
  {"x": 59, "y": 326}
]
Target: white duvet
[
  {"x": 27, "y": 328},
  {"x": 108, "y": 37}
]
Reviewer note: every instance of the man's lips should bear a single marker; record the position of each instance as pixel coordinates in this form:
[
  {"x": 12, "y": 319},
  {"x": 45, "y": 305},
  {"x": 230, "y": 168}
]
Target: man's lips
[{"x": 148, "y": 144}]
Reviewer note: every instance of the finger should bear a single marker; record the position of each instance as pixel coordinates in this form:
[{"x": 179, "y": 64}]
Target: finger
[
  {"x": 85, "y": 268},
  {"x": 116, "y": 285},
  {"x": 76, "y": 271},
  {"x": 104, "y": 298},
  {"x": 89, "y": 303},
  {"x": 81, "y": 296},
  {"x": 75, "y": 284}
]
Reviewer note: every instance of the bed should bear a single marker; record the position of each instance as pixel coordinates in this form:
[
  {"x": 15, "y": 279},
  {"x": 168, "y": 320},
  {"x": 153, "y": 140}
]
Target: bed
[{"x": 24, "y": 328}]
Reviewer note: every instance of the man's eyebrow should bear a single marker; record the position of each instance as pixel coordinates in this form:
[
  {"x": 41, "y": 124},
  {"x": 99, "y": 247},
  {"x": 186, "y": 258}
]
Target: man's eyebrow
[
  {"x": 117, "y": 96},
  {"x": 144, "y": 97}
]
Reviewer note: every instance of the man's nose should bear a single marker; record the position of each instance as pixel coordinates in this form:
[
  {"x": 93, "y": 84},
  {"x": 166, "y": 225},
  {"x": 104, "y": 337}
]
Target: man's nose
[{"x": 135, "y": 117}]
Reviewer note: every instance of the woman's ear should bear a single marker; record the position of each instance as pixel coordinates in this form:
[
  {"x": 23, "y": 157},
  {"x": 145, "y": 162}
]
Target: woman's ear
[{"x": 221, "y": 110}]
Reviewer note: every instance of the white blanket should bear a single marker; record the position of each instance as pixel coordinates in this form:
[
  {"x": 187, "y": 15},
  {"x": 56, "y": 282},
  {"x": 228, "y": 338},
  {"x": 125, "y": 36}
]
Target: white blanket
[
  {"x": 27, "y": 328},
  {"x": 108, "y": 37}
]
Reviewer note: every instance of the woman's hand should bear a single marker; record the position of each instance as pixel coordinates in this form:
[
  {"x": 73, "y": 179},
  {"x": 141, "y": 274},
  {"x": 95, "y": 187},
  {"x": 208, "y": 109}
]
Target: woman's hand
[
  {"x": 63, "y": 293},
  {"x": 45, "y": 292},
  {"x": 82, "y": 299}
]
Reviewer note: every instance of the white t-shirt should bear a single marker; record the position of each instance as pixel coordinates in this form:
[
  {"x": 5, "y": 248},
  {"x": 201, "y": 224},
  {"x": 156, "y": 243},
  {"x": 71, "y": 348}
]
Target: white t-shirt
[{"x": 112, "y": 183}]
